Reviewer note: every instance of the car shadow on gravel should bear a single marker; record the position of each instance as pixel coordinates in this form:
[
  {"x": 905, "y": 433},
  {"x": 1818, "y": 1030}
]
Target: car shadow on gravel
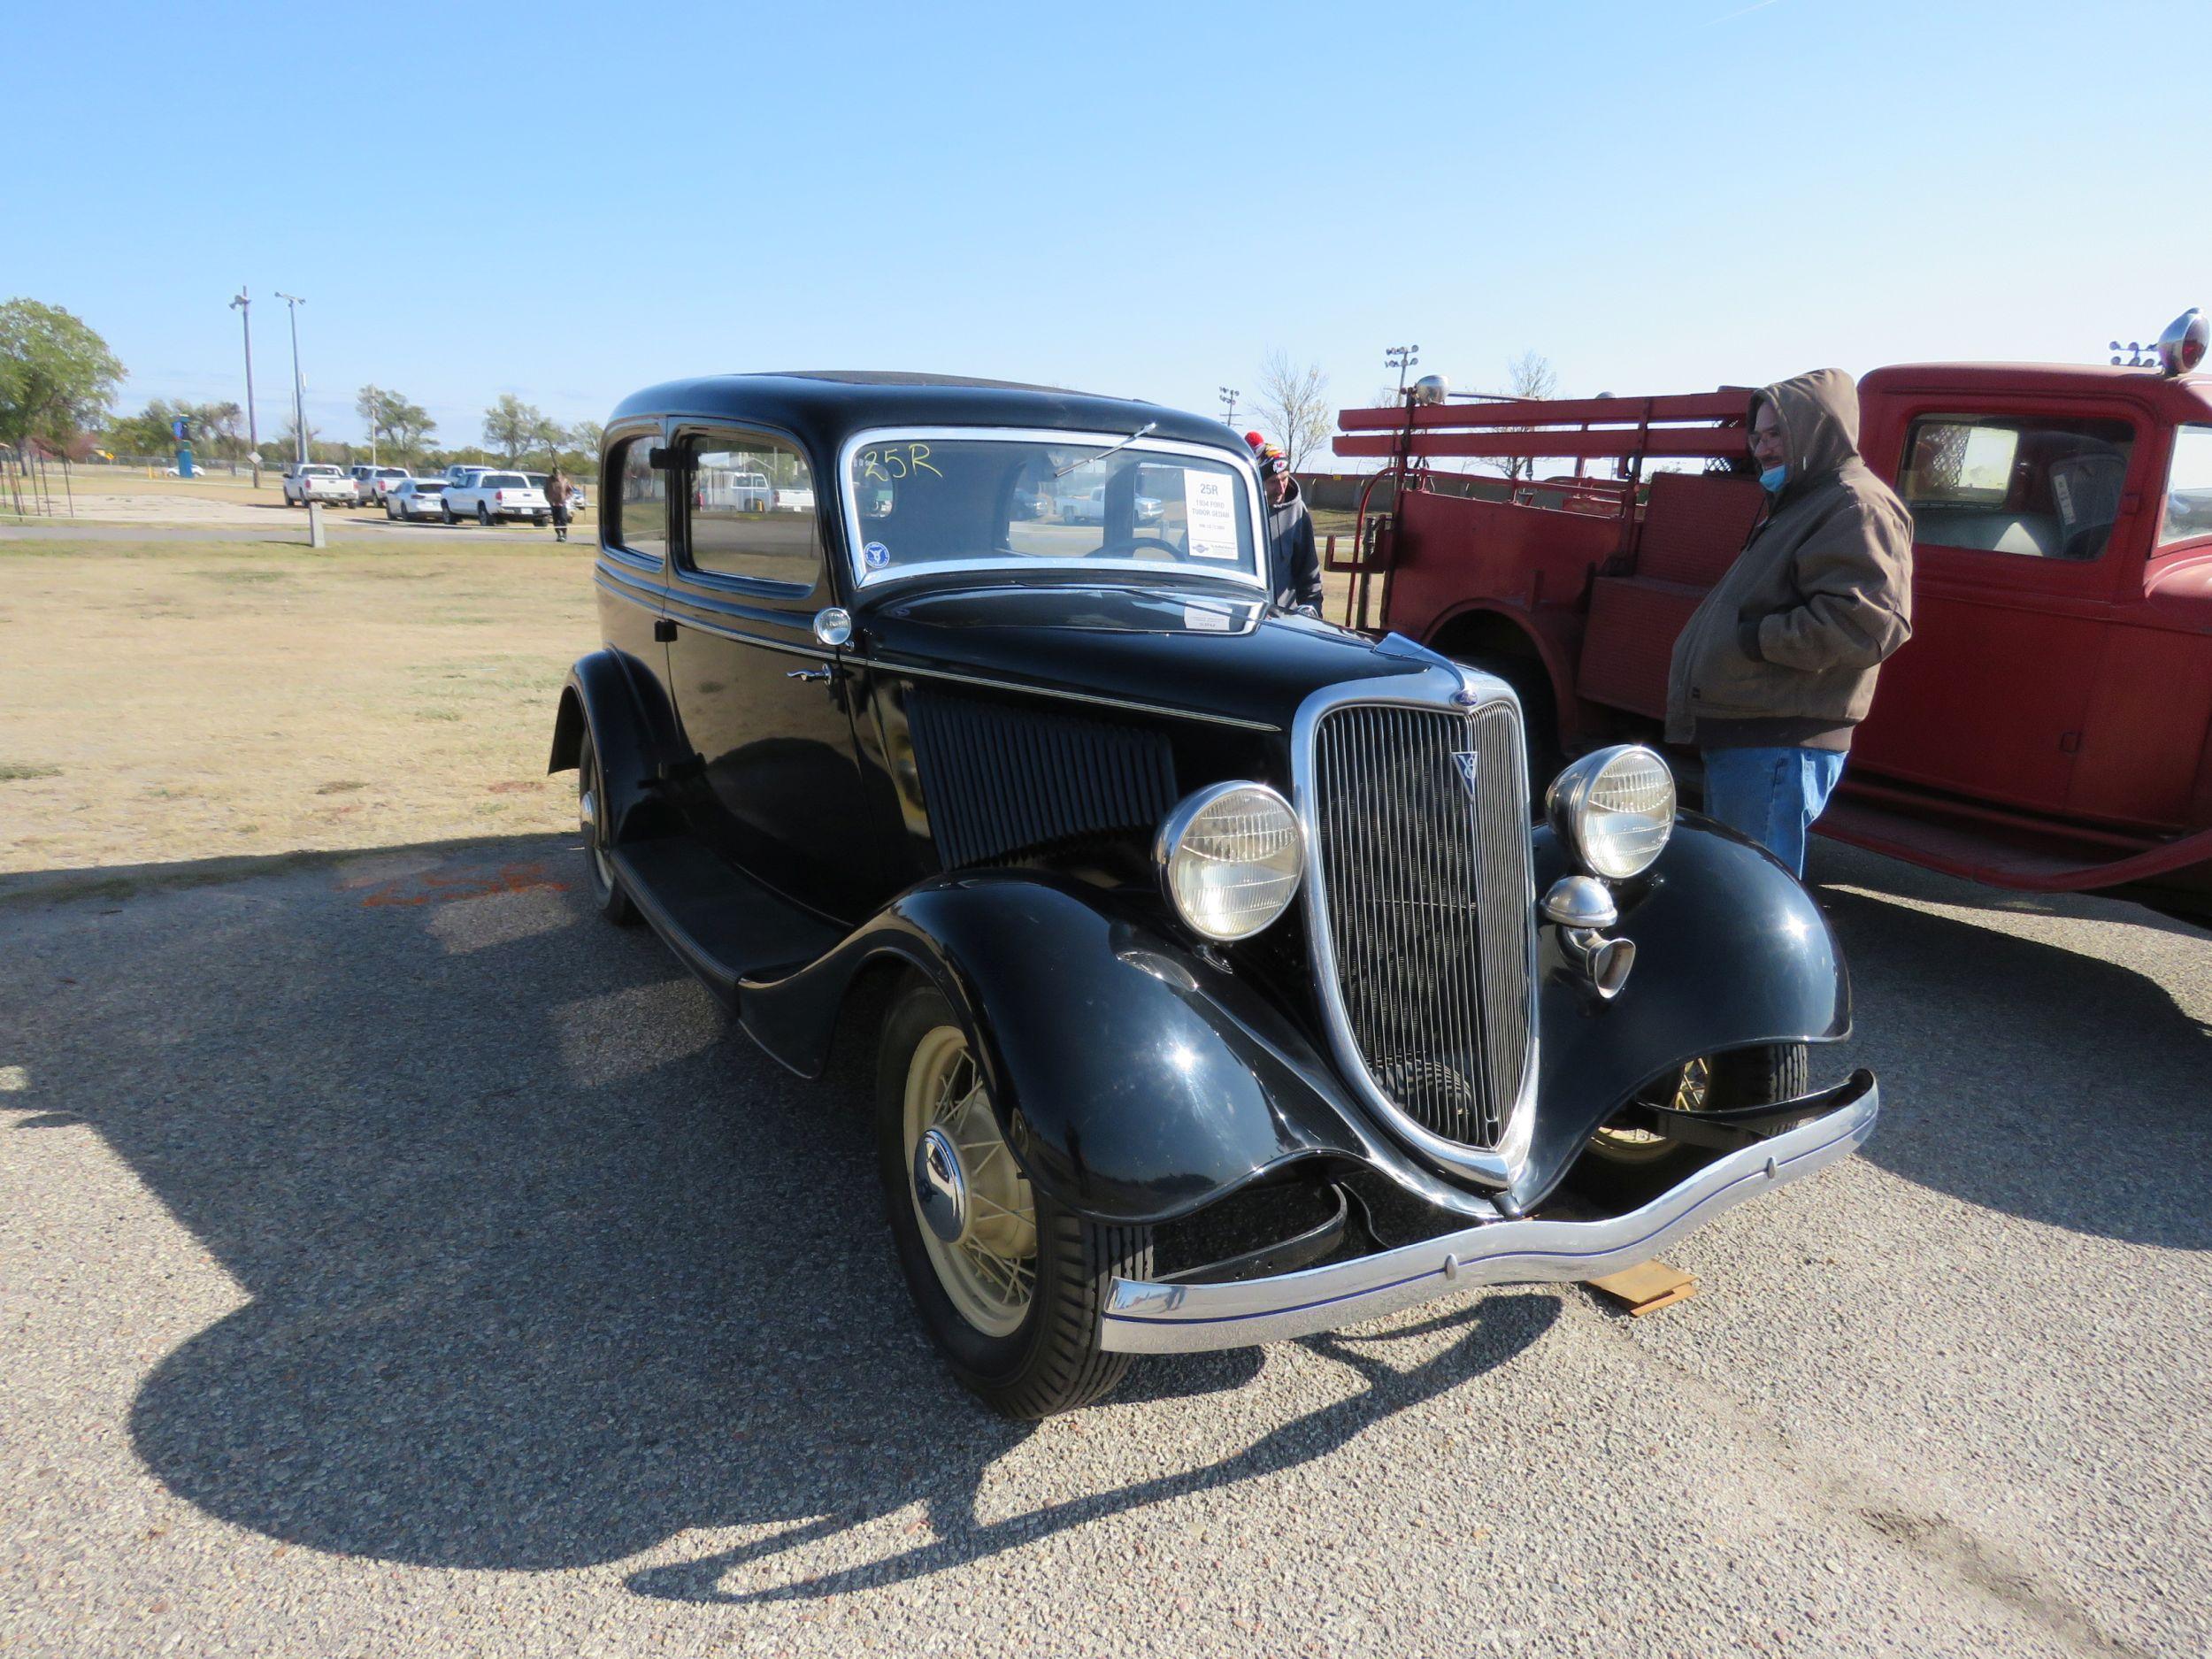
[
  {"x": 542, "y": 1263},
  {"x": 2027, "y": 1076}
]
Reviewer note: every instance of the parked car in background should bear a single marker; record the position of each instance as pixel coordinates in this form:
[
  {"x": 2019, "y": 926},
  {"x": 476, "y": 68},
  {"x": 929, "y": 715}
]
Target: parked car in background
[
  {"x": 488, "y": 496},
  {"x": 1228, "y": 993},
  {"x": 460, "y": 472},
  {"x": 371, "y": 482},
  {"x": 316, "y": 480},
  {"x": 415, "y": 498}
]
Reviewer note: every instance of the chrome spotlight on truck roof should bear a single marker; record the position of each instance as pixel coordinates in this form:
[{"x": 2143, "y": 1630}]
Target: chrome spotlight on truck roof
[{"x": 2181, "y": 348}]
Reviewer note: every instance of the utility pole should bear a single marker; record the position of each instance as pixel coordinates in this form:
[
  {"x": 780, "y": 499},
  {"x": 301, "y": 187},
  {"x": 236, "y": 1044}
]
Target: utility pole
[
  {"x": 373, "y": 410},
  {"x": 244, "y": 308},
  {"x": 292, "y": 303},
  {"x": 1228, "y": 405}
]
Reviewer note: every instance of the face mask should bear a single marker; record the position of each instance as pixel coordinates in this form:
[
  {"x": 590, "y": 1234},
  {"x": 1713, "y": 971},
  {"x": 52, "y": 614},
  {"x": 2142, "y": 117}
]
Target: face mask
[{"x": 1770, "y": 480}]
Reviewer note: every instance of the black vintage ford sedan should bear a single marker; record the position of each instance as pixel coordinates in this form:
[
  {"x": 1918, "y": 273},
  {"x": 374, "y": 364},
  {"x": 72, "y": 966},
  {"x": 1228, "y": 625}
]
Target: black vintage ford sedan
[{"x": 1227, "y": 992}]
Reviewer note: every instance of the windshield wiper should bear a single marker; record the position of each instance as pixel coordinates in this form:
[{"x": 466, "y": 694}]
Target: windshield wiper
[{"x": 1102, "y": 454}]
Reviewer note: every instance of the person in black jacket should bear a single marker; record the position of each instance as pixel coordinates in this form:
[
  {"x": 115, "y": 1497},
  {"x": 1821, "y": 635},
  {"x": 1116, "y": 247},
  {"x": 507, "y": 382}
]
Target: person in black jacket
[{"x": 1296, "y": 569}]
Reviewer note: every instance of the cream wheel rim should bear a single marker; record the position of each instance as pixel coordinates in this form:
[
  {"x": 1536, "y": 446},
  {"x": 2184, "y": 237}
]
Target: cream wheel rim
[
  {"x": 990, "y": 1270},
  {"x": 1619, "y": 1145}
]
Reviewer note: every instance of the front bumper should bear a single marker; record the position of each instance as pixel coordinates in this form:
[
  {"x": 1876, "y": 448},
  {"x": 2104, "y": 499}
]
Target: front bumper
[{"x": 1145, "y": 1318}]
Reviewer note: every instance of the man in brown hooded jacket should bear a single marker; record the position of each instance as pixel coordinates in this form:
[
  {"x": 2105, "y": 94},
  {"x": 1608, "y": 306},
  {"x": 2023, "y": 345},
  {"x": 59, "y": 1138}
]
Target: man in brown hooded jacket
[{"x": 1777, "y": 664}]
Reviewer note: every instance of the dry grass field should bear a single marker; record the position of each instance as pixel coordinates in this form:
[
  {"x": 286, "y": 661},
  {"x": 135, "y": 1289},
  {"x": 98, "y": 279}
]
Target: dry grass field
[{"x": 164, "y": 702}]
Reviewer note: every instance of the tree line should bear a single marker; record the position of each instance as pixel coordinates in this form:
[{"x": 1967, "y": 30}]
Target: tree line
[{"x": 58, "y": 381}]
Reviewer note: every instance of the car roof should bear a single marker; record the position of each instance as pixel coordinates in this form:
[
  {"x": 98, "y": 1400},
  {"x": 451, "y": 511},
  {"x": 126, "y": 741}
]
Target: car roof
[{"x": 828, "y": 405}]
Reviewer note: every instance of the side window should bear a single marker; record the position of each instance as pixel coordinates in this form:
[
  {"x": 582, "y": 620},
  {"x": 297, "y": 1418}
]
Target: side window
[
  {"x": 2039, "y": 488},
  {"x": 751, "y": 511},
  {"x": 2188, "y": 487},
  {"x": 637, "y": 507}
]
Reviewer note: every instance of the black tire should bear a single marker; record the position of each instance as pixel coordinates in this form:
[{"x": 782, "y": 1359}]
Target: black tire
[
  {"x": 483, "y": 515},
  {"x": 1627, "y": 1173},
  {"x": 446, "y": 512},
  {"x": 1051, "y": 1361},
  {"x": 605, "y": 887},
  {"x": 539, "y": 519}
]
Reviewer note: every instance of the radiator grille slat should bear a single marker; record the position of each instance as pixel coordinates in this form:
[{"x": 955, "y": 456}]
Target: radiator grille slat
[
  {"x": 1427, "y": 883},
  {"x": 998, "y": 779}
]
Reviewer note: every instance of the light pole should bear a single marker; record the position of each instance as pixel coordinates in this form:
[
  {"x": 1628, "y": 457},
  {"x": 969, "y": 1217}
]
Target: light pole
[
  {"x": 1228, "y": 405},
  {"x": 373, "y": 407},
  {"x": 1401, "y": 359},
  {"x": 244, "y": 308},
  {"x": 292, "y": 303}
]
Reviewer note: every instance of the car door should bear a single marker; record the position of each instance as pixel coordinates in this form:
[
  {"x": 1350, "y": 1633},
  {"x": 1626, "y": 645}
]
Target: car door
[
  {"x": 2015, "y": 507},
  {"x": 761, "y": 700}
]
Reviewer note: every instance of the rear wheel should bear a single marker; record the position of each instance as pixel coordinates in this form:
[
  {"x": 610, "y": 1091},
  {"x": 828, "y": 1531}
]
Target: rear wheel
[
  {"x": 483, "y": 515},
  {"x": 1009, "y": 1286},
  {"x": 1630, "y": 1166},
  {"x": 606, "y": 887}
]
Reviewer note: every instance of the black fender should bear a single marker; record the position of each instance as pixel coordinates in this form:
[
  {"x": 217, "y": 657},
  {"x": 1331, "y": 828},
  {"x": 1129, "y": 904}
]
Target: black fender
[
  {"x": 1731, "y": 952},
  {"x": 1134, "y": 1081},
  {"x": 634, "y": 731}
]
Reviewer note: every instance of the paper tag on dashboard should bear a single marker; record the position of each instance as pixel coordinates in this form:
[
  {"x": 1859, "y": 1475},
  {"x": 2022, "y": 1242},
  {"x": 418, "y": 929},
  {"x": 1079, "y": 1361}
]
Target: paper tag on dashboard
[{"x": 1210, "y": 508}]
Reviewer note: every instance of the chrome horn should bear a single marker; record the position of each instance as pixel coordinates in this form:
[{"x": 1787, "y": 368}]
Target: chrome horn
[{"x": 1582, "y": 909}]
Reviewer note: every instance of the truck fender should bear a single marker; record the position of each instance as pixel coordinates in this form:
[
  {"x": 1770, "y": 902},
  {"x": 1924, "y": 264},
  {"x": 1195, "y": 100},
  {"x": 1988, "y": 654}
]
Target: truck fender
[
  {"x": 1731, "y": 953},
  {"x": 632, "y": 730},
  {"x": 1134, "y": 1082}
]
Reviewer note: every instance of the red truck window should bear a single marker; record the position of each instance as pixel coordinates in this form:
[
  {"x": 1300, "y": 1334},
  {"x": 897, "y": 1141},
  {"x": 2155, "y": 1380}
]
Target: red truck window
[
  {"x": 2041, "y": 488},
  {"x": 2188, "y": 488}
]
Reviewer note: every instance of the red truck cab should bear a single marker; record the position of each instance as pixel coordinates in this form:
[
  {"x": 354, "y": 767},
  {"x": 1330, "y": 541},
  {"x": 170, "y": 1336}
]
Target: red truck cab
[{"x": 2049, "y": 724}]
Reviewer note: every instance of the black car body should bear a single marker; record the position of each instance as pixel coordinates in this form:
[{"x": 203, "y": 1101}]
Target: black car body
[{"x": 919, "y": 740}]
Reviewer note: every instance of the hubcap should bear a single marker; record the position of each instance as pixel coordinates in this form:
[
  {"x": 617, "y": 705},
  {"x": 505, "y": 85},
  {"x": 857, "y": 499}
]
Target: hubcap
[
  {"x": 940, "y": 1187},
  {"x": 1620, "y": 1144},
  {"x": 978, "y": 1216}
]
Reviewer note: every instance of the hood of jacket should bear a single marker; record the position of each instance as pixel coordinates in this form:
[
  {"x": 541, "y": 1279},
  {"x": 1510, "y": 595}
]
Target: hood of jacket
[{"x": 1819, "y": 414}]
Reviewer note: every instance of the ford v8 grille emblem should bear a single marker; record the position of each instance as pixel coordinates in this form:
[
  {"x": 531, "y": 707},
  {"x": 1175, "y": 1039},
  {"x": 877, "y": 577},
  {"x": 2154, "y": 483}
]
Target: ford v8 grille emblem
[{"x": 1465, "y": 761}]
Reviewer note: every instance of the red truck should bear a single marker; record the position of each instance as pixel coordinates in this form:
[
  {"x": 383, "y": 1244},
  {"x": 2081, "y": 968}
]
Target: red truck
[{"x": 2049, "y": 725}]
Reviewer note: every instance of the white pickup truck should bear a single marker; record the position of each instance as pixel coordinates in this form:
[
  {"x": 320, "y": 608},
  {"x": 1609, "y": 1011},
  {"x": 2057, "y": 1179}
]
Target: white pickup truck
[
  {"x": 317, "y": 481},
  {"x": 489, "y": 497}
]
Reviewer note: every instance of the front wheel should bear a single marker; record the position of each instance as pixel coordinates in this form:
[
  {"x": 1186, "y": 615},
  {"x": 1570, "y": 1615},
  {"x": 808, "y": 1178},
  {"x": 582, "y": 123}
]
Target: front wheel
[
  {"x": 1010, "y": 1286},
  {"x": 1629, "y": 1166},
  {"x": 446, "y": 512}
]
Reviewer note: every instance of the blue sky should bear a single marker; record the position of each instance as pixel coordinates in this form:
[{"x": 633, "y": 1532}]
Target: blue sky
[{"x": 1129, "y": 198}]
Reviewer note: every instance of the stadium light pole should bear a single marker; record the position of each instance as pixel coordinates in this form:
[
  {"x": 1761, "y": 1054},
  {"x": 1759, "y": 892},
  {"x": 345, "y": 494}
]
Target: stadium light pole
[
  {"x": 243, "y": 306},
  {"x": 1229, "y": 405},
  {"x": 1401, "y": 359},
  {"x": 292, "y": 303}
]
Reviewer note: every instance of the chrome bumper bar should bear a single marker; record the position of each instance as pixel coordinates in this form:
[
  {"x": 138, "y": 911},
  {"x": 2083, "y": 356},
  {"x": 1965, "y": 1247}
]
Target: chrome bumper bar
[{"x": 1145, "y": 1317}]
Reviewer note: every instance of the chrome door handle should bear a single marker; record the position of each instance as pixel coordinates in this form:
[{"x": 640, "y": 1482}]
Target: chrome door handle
[{"x": 823, "y": 675}]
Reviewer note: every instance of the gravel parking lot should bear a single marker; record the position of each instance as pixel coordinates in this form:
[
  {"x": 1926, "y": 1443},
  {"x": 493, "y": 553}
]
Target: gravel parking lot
[{"x": 395, "y": 1259}]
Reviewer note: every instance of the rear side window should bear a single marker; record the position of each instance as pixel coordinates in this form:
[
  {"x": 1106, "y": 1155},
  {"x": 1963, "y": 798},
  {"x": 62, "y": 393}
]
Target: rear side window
[
  {"x": 751, "y": 510},
  {"x": 2038, "y": 488},
  {"x": 636, "y": 507}
]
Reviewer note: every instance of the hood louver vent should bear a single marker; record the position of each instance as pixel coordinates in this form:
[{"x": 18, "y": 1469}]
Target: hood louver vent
[{"x": 999, "y": 780}]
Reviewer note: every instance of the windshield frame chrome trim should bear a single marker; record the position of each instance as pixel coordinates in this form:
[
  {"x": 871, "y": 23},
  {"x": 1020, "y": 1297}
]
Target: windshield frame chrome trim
[{"x": 855, "y": 539}]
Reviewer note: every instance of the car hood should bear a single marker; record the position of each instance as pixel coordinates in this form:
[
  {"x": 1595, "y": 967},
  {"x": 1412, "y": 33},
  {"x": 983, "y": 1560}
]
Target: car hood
[{"x": 1203, "y": 651}]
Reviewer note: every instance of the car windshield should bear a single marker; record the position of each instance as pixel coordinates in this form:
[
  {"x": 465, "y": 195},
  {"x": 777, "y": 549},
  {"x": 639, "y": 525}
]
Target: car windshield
[
  {"x": 960, "y": 498},
  {"x": 501, "y": 480},
  {"x": 429, "y": 486},
  {"x": 2188, "y": 488}
]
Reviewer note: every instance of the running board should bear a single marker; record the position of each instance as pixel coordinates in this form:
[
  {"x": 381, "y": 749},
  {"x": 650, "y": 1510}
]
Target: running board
[{"x": 724, "y": 926}]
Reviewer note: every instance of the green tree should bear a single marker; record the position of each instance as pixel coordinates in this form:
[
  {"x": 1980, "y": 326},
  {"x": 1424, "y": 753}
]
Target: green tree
[
  {"x": 514, "y": 428},
  {"x": 150, "y": 432},
  {"x": 56, "y": 376},
  {"x": 397, "y": 426}
]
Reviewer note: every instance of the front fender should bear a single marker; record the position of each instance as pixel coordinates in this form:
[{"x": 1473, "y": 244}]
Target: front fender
[
  {"x": 1731, "y": 951},
  {"x": 1134, "y": 1081}
]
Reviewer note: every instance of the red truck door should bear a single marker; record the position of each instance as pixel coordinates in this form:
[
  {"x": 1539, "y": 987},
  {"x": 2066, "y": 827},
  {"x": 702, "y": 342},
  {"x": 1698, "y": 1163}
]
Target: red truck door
[{"x": 2016, "y": 569}]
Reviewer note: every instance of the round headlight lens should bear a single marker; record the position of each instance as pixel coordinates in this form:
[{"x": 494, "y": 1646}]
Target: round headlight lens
[
  {"x": 1615, "y": 809},
  {"x": 1231, "y": 858}
]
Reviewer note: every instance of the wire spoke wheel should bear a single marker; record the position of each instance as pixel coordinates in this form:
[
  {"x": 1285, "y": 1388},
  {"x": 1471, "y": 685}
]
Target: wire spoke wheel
[
  {"x": 1689, "y": 1091},
  {"x": 989, "y": 1269}
]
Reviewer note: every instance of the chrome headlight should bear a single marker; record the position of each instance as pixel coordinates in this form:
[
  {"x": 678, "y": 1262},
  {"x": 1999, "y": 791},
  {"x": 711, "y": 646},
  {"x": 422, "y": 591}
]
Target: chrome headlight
[
  {"x": 1231, "y": 858},
  {"x": 1615, "y": 809}
]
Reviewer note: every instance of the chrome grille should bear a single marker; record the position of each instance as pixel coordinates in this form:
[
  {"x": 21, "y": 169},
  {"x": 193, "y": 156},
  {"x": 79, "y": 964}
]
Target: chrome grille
[{"x": 1426, "y": 906}]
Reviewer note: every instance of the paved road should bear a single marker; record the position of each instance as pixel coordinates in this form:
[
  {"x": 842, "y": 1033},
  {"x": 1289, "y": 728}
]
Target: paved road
[{"x": 394, "y": 1259}]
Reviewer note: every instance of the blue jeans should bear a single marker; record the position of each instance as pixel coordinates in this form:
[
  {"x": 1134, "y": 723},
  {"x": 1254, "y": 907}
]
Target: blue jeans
[{"x": 1771, "y": 794}]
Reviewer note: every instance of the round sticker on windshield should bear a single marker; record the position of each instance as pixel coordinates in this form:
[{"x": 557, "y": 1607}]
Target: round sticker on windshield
[{"x": 876, "y": 555}]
